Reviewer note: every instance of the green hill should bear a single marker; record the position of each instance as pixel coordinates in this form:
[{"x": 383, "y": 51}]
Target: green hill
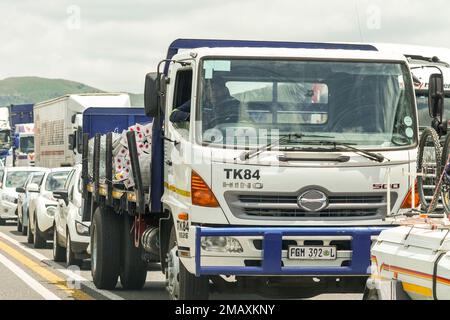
[{"x": 20, "y": 90}]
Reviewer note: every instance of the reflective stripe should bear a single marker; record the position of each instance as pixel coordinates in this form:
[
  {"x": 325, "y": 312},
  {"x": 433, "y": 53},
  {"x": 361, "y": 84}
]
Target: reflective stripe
[
  {"x": 413, "y": 288},
  {"x": 181, "y": 192}
]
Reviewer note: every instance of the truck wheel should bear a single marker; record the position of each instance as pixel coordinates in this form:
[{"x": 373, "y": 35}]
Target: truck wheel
[
  {"x": 38, "y": 238},
  {"x": 29, "y": 233},
  {"x": 71, "y": 259},
  {"x": 105, "y": 242},
  {"x": 134, "y": 270},
  {"x": 2, "y": 222},
  {"x": 428, "y": 163},
  {"x": 181, "y": 284},
  {"x": 370, "y": 294},
  {"x": 59, "y": 253}
]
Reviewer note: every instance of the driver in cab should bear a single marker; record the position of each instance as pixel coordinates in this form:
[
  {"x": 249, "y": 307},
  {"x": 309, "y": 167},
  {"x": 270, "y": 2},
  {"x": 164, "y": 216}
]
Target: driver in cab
[{"x": 221, "y": 106}]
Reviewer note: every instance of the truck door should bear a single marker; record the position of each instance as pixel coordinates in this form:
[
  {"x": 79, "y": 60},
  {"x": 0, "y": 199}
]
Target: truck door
[{"x": 177, "y": 144}]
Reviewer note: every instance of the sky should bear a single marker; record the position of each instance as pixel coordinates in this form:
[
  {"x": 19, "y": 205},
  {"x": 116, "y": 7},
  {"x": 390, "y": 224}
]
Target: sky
[{"x": 112, "y": 44}]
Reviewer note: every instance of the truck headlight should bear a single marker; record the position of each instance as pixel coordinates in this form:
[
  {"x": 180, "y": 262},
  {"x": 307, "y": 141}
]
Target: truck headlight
[
  {"x": 82, "y": 230},
  {"x": 221, "y": 244},
  {"x": 51, "y": 210}
]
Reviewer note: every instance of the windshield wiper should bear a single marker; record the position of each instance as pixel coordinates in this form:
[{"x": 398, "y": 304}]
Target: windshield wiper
[
  {"x": 246, "y": 155},
  {"x": 367, "y": 154}
]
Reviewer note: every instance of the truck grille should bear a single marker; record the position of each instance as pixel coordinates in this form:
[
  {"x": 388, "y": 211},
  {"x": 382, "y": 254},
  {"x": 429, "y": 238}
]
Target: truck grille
[{"x": 284, "y": 206}]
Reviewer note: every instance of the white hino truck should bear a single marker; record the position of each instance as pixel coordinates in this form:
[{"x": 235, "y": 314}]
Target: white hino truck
[
  {"x": 274, "y": 164},
  {"x": 58, "y": 124}
]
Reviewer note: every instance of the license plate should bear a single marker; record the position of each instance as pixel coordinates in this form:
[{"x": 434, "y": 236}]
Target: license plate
[{"x": 312, "y": 253}]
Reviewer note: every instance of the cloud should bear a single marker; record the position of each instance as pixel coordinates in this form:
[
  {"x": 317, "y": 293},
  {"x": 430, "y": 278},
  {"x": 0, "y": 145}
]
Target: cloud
[{"x": 117, "y": 41}]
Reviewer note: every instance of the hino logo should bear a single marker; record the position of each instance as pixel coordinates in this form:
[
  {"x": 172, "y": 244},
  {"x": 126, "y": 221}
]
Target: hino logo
[{"x": 312, "y": 201}]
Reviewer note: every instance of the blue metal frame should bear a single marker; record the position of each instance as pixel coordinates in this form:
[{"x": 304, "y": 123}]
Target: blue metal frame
[
  {"x": 272, "y": 249},
  {"x": 214, "y": 43},
  {"x": 103, "y": 120}
]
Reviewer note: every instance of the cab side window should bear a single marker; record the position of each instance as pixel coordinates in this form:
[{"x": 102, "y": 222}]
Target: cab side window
[{"x": 182, "y": 99}]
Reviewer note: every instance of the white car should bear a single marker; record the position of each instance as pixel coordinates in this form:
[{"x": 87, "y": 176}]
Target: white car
[
  {"x": 29, "y": 191},
  {"x": 42, "y": 209},
  {"x": 71, "y": 235},
  {"x": 12, "y": 179}
]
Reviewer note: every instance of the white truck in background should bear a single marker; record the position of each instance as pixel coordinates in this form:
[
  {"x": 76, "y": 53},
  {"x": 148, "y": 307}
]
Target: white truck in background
[
  {"x": 424, "y": 61},
  {"x": 58, "y": 126},
  {"x": 24, "y": 151},
  {"x": 5, "y": 135}
]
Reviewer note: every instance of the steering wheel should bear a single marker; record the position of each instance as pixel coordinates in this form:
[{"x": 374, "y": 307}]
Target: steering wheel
[
  {"x": 224, "y": 116},
  {"x": 350, "y": 118}
]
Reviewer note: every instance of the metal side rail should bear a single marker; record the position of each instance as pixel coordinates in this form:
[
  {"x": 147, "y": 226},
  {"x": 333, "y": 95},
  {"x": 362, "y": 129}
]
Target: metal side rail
[{"x": 271, "y": 254}]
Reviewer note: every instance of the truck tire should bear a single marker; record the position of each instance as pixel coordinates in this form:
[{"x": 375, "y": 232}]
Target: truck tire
[
  {"x": 29, "y": 233},
  {"x": 189, "y": 286},
  {"x": 133, "y": 270},
  {"x": 370, "y": 294},
  {"x": 59, "y": 253},
  {"x": 2, "y": 222},
  {"x": 428, "y": 162},
  {"x": 38, "y": 238},
  {"x": 105, "y": 242}
]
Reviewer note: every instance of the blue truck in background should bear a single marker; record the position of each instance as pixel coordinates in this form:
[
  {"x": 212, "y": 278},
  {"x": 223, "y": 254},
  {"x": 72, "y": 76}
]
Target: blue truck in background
[
  {"x": 17, "y": 114},
  {"x": 20, "y": 114}
]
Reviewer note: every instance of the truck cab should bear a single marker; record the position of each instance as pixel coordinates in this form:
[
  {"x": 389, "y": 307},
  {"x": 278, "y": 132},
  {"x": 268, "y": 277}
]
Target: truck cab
[
  {"x": 290, "y": 160},
  {"x": 5, "y": 141},
  {"x": 24, "y": 145}
]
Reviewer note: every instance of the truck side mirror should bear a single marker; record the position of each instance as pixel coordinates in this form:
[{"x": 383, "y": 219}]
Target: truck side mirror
[
  {"x": 436, "y": 96},
  {"x": 72, "y": 141},
  {"x": 79, "y": 140},
  {"x": 155, "y": 89},
  {"x": 151, "y": 94}
]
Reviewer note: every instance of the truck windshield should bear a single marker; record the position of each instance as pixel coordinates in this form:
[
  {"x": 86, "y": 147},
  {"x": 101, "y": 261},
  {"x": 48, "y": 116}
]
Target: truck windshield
[
  {"x": 246, "y": 102},
  {"x": 5, "y": 139},
  {"x": 27, "y": 144}
]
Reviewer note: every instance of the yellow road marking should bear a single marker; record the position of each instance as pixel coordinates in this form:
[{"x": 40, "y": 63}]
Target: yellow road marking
[{"x": 44, "y": 273}]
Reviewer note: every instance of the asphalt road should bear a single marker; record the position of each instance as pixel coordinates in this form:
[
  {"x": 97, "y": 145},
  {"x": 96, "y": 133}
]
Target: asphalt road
[{"x": 31, "y": 274}]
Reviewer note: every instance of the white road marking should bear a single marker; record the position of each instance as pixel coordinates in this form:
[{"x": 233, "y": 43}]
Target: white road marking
[
  {"x": 27, "y": 279},
  {"x": 69, "y": 273}
]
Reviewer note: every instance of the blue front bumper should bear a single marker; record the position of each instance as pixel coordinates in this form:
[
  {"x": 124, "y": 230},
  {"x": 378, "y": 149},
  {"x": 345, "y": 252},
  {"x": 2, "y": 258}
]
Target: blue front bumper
[{"x": 272, "y": 250}]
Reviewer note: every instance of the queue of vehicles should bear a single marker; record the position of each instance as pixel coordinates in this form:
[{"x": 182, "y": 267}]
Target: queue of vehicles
[
  {"x": 31, "y": 188},
  {"x": 245, "y": 199}
]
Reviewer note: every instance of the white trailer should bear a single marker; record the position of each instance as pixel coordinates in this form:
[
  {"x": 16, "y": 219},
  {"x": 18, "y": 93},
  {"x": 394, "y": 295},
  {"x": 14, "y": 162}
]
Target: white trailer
[
  {"x": 58, "y": 124},
  {"x": 412, "y": 262}
]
